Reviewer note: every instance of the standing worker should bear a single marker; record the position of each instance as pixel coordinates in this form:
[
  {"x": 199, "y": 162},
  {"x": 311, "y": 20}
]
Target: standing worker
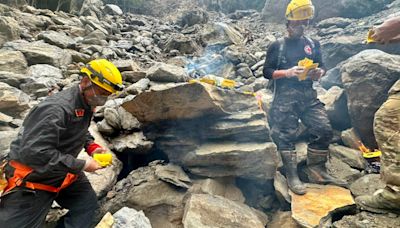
[
  {"x": 42, "y": 165},
  {"x": 295, "y": 99},
  {"x": 387, "y": 119}
]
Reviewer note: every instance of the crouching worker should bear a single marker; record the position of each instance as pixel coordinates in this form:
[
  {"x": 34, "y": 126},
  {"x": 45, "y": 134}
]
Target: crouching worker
[{"x": 42, "y": 164}]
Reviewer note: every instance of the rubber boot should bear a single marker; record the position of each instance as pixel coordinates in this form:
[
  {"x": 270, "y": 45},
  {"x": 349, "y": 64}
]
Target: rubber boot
[
  {"x": 316, "y": 169},
  {"x": 290, "y": 164},
  {"x": 382, "y": 201}
]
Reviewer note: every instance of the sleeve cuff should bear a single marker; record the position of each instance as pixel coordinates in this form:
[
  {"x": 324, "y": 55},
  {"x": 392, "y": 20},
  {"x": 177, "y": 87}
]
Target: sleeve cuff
[{"x": 91, "y": 148}]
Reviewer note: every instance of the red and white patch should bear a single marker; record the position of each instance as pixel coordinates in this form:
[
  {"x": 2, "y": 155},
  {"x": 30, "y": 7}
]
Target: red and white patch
[
  {"x": 308, "y": 50},
  {"x": 80, "y": 112}
]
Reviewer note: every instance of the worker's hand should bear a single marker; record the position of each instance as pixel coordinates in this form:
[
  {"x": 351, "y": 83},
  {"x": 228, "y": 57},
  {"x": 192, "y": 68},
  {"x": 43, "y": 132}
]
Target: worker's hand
[
  {"x": 316, "y": 74},
  {"x": 294, "y": 71},
  {"x": 99, "y": 151},
  {"x": 92, "y": 165},
  {"x": 387, "y": 31}
]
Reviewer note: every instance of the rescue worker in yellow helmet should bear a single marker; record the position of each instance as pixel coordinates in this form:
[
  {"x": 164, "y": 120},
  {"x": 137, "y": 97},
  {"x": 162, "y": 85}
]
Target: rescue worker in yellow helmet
[
  {"x": 295, "y": 99},
  {"x": 42, "y": 165}
]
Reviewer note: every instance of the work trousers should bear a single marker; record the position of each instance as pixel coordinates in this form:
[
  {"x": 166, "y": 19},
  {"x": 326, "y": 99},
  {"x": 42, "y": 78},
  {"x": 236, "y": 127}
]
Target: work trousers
[
  {"x": 28, "y": 208},
  {"x": 294, "y": 103}
]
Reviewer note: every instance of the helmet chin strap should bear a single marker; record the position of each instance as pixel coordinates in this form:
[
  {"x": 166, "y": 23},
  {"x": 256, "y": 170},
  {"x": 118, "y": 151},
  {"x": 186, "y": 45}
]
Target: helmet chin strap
[{"x": 83, "y": 90}]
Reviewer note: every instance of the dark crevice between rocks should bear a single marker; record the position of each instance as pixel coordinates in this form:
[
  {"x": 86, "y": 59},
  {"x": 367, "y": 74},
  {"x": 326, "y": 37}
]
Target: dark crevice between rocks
[
  {"x": 132, "y": 161},
  {"x": 337, "y": 215},
  {"x": 259, "y": 194}
]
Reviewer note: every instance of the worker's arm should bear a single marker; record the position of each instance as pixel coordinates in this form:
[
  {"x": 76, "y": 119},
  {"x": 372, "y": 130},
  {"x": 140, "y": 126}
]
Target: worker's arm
[
  {"x": 318, "y": 73},
  {"x": 271, "y": 61},
  {"x": 91, "y": 147},
  {"x": 41, "y": 133},
  {"x": 271, "y": 71},
  {"x": 388, "y": 31}
]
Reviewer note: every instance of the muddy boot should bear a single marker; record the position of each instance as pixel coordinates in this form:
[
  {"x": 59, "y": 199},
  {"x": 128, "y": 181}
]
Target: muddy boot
[
  {"x": 316, "y": 169},
  {"x": 290, "y": 164},
  {"x": 382, "y": 201}
]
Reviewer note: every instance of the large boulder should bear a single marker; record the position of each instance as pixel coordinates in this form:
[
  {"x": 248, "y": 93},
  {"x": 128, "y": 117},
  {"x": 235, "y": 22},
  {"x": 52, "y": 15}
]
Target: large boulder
[
  {"x": 225, "y": 187},
  {"x": 336, "y": 107},
  {"x": 42, "y": 79},
  {"x": 344, "y": 45},
  {"x": 34, "y": 22},
  {"x": 58, "y": 39},
  {"x": 221, "y": 34},
  {"x": 184, "y": 44},
  {"x": 367, "y": 185},
  {"x": 357, "y": 8},
  {"x": 92, "y": 8},
  {"x": 162, "y": 72},
  {"x": 193, "y": 17},
  {"x": 349, "y": 156},
  {"x": 187, "y": 101},
  {"x": 6, "y": 137},
  {"x": 283, "y": 219},
  {"x": 120, "y": 119},
  {"x": 203, "y": 210},
  {"x": 135, "y": 143},
  {"x": 143, "y": 189},
  {"x": 13, "y": 61},
  {"x": 130, "y": 218},
  {"x": 40, "y": 53},
  {"x": 208, "y": 130},
  {"x": 341, "y": 47},
  {"x": 112, "y": 9},
  {"x": 249, "y": 160},
  {"x": 13, "y": 67},
  {"x": 13, "y": 101},
  {"x": 12, "y": 79},
  {"x": 9, "y": 29},
  {"x": 332, "y": 78},
  {"x": 341, "y": 170},
  {"x": 367, "y": 78}
]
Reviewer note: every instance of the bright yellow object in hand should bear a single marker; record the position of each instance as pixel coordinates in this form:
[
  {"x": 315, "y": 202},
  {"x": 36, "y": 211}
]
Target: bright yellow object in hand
[
  {"x": 369, "y": 37},
  {"x": 103, "y": 159},
  {"x": 308, "y": 65}
]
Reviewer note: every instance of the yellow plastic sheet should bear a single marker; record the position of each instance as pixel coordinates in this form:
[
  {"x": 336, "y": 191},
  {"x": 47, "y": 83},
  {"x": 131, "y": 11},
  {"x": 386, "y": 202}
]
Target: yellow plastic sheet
[{"x": 308, "y": 65}]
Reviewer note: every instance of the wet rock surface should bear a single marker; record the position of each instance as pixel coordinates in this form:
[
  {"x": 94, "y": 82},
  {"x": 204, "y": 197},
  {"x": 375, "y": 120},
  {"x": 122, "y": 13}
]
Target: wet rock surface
[{"x": 318, "y": 202}]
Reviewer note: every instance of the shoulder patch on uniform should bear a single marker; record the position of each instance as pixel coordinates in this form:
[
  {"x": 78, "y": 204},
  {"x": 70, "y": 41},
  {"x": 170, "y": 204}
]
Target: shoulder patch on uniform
[
  {"x": 79, "y": 112},
  {"x": 308, "y": 50}
]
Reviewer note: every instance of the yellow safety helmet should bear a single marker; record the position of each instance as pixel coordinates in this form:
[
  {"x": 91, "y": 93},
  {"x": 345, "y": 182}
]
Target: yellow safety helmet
[
  {"x": 104, "y": 74},
  {"x": 299, "y": 10}
]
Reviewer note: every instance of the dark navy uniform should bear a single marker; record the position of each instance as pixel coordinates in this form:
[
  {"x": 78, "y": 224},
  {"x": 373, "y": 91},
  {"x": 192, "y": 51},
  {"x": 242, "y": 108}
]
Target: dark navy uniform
[
  {"x": 296, "y": 100},
  {"x": 52, "y": 135}
]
